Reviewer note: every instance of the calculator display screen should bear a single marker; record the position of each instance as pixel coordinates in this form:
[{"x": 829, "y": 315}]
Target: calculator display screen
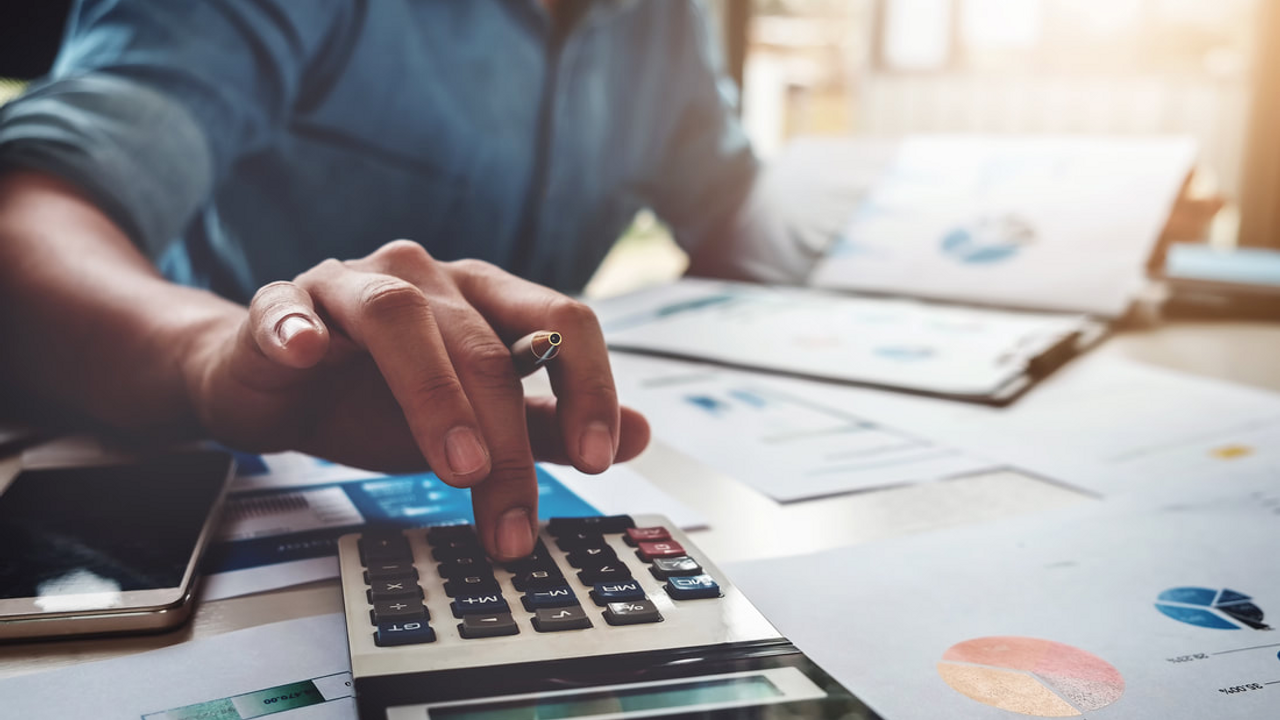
[
  {"x": 643, "y": 699},
  {"x": 691, "y": 694},
  {"x": 99, "y": 531}
]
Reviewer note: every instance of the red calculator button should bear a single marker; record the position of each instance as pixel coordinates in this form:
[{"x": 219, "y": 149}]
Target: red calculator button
[
  {"x": 647, "y": 534},
  {"x": 666, "y": 548}
]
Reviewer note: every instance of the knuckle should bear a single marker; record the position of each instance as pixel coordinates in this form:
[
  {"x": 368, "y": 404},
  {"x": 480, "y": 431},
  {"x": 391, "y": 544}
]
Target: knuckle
[
  {"x": 470, "y": 267},
  {"x": 391, "y": 296},
  {"x": 274, "y": 292},
  {"x": 510, "y": 465},
  {"x": 403, "y": 252},
  {"x": 599, "y": 392},
  {"x": 571, "y": 313},
  {"x": 489, "y": 361},
  {"x": 436, "y": 387}
]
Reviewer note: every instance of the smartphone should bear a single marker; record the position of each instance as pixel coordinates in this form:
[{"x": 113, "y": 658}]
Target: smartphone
[{"x": 111, "y": 548}]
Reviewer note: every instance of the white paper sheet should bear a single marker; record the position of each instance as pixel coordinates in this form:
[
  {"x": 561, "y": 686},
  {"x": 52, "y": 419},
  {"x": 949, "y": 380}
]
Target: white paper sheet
[
  {"x": 1054, "y": 223},
  {"x": 294, "y": 670},
  {"x": 790, "y": 447},
  {"x": 1082, "y": 603},
  {"x": 925, "y": 347},
  {"x": 1104, "y": 424}
]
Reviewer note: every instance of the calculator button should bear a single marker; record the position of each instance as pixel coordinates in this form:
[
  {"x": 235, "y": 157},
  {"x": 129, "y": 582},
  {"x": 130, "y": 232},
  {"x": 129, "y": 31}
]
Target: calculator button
[
  {"x": 393, "y": 589},
  {"x": 454, "y": 549},
  {"x": 611, "y": 572},
  {"x": 463, "y": 566},
  {"x": 403, "y": 633},
  {"x": 592, "y": 557},
  {"x": 578, "y": 540},
  {"x": 393, "y": 611},
  {"x": 377, "y": 549},
  {"x": 538, "y": 580},
  {"x": 539, "y": 559},
  {"x": 471, "y": 585},
  {"x": 382, "y": 571},
  {"x": 682, "y": 566},
  {"x": 556, "y": 619},
  {"x": 689, "y": 588},
  {"x": 479, "y": 605},
  {"x": 632, "y": 612},
  {"x": 490, "y": 625},
  {"x": 647, "y": 551},
  {"x": 550, "y": 598},
  {"x": 647, "y": 534},
  {"x": 597, "y": 524},
  {"x": 605, "y": 593},
  {"x": 444, "y": 533}
]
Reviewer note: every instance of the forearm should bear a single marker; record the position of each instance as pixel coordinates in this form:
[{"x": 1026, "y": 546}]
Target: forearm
[{"x": 89, "y": 329}]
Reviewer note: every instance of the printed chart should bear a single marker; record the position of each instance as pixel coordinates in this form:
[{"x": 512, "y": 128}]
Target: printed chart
[
  {"x": 1207, "y": 608},
  {"x": 787, "y": 446},
  {"x": 1031, "y": 676}
]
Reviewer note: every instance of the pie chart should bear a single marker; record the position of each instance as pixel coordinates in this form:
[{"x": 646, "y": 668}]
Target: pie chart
[
  {"x": 1031, "y": 676},
  {"x": 1208, "y": 608}
]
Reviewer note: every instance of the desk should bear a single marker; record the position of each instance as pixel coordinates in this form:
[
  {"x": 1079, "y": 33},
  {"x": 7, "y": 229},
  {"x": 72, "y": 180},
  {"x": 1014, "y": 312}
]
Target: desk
[{"x": 745, "y": 524}]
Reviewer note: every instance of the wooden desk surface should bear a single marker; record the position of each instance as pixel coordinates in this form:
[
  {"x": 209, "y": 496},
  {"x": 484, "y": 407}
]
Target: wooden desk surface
[{"x": 745, "y": 524}]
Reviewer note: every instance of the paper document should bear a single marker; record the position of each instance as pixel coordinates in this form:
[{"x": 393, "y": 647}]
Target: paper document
[
  {"x": 1104, "y": 424},
  {"x": 294, "y": 670},
  {"x": 788, "y": 446},
  {"x": 1104, "y": 611},
  {"x": 1051, "y": 223},
  {"x": 939, "y": 349},
  {"x": 281, "y": 523}
]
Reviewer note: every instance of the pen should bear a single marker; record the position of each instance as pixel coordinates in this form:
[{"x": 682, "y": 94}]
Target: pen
[{"x": 533, "y": 350}]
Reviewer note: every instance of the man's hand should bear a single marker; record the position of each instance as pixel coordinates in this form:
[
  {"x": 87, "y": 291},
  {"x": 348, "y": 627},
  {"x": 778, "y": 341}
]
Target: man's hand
[{"x": 382, "y": 361}]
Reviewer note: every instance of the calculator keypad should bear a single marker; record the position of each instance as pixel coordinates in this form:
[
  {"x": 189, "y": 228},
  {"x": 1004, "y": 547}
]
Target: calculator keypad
[{"x": 550, "y": 590}]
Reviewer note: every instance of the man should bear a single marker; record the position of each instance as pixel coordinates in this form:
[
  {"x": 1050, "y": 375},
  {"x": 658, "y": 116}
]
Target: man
[{"x": 238, "y": 145}]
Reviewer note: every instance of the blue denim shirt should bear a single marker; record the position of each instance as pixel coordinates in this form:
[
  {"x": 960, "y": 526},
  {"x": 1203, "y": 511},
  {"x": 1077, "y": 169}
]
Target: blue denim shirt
[{"x": 243, "y": 141}]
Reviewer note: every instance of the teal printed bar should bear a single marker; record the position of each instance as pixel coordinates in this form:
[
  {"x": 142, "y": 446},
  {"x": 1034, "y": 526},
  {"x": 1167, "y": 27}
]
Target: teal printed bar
[
  {"x": 278, "y": 699},
  {"x": 249, "y": 705}
]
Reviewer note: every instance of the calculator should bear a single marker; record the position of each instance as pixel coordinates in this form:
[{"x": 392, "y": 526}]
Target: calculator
[{"x": 611, "y": 618}]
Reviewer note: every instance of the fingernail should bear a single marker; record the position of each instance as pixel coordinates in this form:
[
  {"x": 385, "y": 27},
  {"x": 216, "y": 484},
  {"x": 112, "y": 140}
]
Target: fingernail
[
  {"x": 596, "y": 446},
  {"x": 515, "y": 533},
  {"x": 291, "y": 326},
  {"x": 466, "y": 454}
]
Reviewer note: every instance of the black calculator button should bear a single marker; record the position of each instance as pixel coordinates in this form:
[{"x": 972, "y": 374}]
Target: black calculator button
[
  {"x": 403, "y": 633},
  {"x": 539, "y": 559},
  {"x": 540, "y": 579},
  {"x": 454, "y": 549},
  {"x": 382, "y": 571},
  {"x": 578, "y": 540},
  {"x": 561, "y": 596},
  {"x": 632, "y": 612},
  {"x": 488, "y": 625},
  {"x": 610, "y": 572},
  {"x": 377, "y": 549},
  {"x": 393, "y": 589},
  {"x": 605, "y": 593},
  {"x": 690, "y": 588},
  {"x": 682, "y": 566},
  {"x": 479, "y": 605},
  {"x": 592, "y": 557},
  {"x": 463, "y": 566},
  {"x": 571, "y": 617},
  {"x": 598, "y": 524},
  {"x": 471, "y": 585},
  {"x": 393, "y": 611},
  {"x": 444, "y": 533}
]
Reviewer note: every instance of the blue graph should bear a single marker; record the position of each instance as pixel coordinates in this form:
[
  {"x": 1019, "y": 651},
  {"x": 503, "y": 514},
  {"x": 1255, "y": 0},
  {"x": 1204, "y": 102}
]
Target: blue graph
[
  {"x": 988, "y": 240},
  {"x": 1207, "y": 608}
]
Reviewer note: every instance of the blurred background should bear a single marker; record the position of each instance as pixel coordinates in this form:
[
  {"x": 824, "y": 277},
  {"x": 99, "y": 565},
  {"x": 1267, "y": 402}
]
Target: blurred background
[{"x": 886, "y": 68}]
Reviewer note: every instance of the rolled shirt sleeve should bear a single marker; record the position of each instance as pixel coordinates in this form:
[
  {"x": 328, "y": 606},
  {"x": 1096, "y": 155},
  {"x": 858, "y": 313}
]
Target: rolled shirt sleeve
[{"x": 151, "y": 102}]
